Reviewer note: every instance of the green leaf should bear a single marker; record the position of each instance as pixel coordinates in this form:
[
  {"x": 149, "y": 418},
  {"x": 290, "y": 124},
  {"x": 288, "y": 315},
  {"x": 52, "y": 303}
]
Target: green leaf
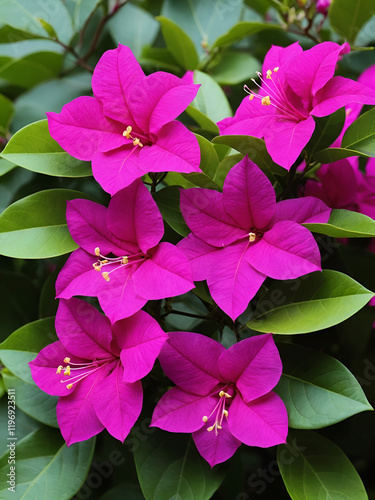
[
  {"x": 327, "y": 130},
  {"x": 31, "y": 400},
  {"x": 224, "y": 167},
  {"x": 33, "y": 148},
  {"x": 168, "y": 201},
  {"x": 317, "y": 389},
  {"x": 47, "y": 28},
  {"x": 310, "y": 303},
  {"x": 24, "y": 344},
  {"x": 330, "y": 155},
  {"x": 25, "y": 426},
  {"x": 5, "y": 166},
  {"x": 46, "y": 468},
  {"x": 360, "y": 136},
  {"x": 235, "y": 67},
  {"x": 82, "y": 10},
  {"x": 312, "y": 467},
  {"x": 242, "y": 30},
  {"x": 29, "y": 70},
  {"x": 347, "y": 17},
  {"x": 159, "y": 59},
  {"x": 134, "y": 27},
  {"x": 35, "y": 227},
  {"x": 179, "y": 44},
  {"x": 6, "y": 113},
  {"x": 9, "y": 34},
  {"x": 11, "y": 183},
  {"x": 345, "y": 224},
  {"x": 210, "y": 104},
  {"x": 169, "y": 466}
]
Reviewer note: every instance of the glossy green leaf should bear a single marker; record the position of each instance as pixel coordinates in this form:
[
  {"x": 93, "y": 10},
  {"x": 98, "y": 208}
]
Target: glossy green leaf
[
  {"x": 317, "y": 389},
  {"x": 330, "y": 155},
  {"x": 312, "y": 467},
  {"x": 360, "y": 136},
  {"x": 235, "y": 67},
  {"x": 210, "y": 104},
  {"x": 9, "y": 34},
  {"x": 134, "y": 27},
  {"x": 5, "y": 166},
  {"x": 46, "y": 468},
  {"x": 242, "y": 30},
  {"x": 31, "y": 400},
  {"x": 159, "y": 59},
  {"x": 224, "y": 167},
  {"x": 81, "y": 10},
  {"x": 168, "y": 201},
  {"x": 24, "y": 344},
  {"x": 11, "y": 183},
  {"x": 35, "y": 227},
  {"x": 33, "y": 148},
  {"x": 6, "y": 113},
  {"x": 310, "y": 303},
  {"x": 169, "y": 466},
  {"x": 327, "y": 129},
  {"x": 345, "y": 224},
  {"x": 25, "y": 426},
  {"x": 179, "y": 44},
  {"x": 347, "y": 17}
]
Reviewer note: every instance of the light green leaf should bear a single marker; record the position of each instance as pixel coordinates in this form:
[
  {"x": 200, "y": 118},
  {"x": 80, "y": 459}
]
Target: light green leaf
[
  {"x": 81, "y": 10},
  {"x": 242, "y": 30},
  {"x": 347, "y": 17},
  {"x": 35, "y": 227},
  {"x": 345, "y": 224},
  {"x": 235, "y": 67},
  {"x": 360, "y": 136},
  {"x": 310, "y": 303},
  {"x": 168, "y": 201},
  {"x": 24, "y": 344},
  {"x": 159, "y": 59},
  {"x": 6, "y": 113},
  {"x": 169, "y": 466},
  {"x": 33, "y": 148},
  {"x": 317, "y": 389},
  {"x": 46, "y": 468},
  {"x": 179, "y": 44},
  {"x": 312, "y": 467},
  {"x": 5, "y": 166}
]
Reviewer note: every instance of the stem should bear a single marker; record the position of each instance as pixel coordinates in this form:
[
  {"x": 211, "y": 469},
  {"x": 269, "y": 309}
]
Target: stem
[{"x": 80, "y": 61}]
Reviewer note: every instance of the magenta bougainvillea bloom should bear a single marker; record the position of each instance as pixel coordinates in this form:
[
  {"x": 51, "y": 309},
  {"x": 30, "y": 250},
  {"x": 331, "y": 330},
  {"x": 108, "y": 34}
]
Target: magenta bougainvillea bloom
[
  {"x": 223, "y": 396},
  {"x": 96, "y": 369},
  {"x": 295, "y": 86},
  {"x": 241, "y": 236},
  {"x": 129, "y": 127},
  {"x": 322, "y": 6},
  {"x": 120, "y": 259}
]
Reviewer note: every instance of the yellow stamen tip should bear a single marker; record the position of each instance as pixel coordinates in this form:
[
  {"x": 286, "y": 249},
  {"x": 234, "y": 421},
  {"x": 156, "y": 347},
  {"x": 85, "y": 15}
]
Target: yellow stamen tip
[
  {"x": 69, "y": 386},
  {"x": 205, "y": 418},
  {"x": 218, "y": 427},
  {"x": 251, "y": 97},
  {"x": 266, "y": 101},
  {"x": 67, "y": 370},
  {"x": 125, "y": 260},
  {"x": 269, "y": 74},
  {"x": 276, "y": 69},
  {"x": 137, "y": 142},
  {"x": 252, "y": 237},
  {"x": 211, "y": 428},
  {"x": 106, "y": 276},
  {"x": 97, "y": 251},
  {"x": 225, "y": 413},
  {"x": 126, "y": 133},
  {"x": 59, "y": 368},
  {"x": 221, "y": 393},
  {"x": 67, "y": 360}
]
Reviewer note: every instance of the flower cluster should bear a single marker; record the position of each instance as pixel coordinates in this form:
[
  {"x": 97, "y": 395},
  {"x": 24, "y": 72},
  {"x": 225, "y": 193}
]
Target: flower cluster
[{"x": 239, "y": 237}]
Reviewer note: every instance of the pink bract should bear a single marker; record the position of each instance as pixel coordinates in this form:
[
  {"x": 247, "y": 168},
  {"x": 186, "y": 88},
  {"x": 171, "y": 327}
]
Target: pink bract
[
  {"x": 95, "y": 369},
  {"x": 241, "y": 236},
  {"x": 121, "y": 260},
  {"x": 296, "y": 85},
  {"x": 128, "y": 129},
  {"x": 223, "y": 396}
]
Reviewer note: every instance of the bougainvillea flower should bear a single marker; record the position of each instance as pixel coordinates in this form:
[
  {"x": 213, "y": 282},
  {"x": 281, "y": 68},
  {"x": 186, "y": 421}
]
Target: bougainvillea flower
[
  {"x": 322, "y": 6},
  {"x": 241, "y": 236},
  {"x": 120, "y": 259},
  {"x": 129, "y": 127},
  {"x": 96, "y": 369},
  {"x": 296, "y": 85},
  {"x": 223, "y": 396}
]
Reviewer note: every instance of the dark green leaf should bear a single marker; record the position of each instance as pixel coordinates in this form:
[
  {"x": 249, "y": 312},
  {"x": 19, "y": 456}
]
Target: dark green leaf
[
  {"x": 327, "y": 129},
  {"x": 82, "y": 10},
  {"x": 360, "y": 136},
  {"x": 242, "y": 30},
  {"x": 347, "y": 17},
  {"x": 310, "y": 303},
  {"x": 313, "y": 467},
  {"x": 345, "y": 224},
  {"x": 235, "y": 67},
  {"x": 168, "y": 201},
  {"x": 29, "y": 70},
  {"x": 179, "y": 44},
  {"x": 33, "y": 148},
  {"x": 159, "y": 59},
  {"x": 224, "y": 166},
  {"x": 6, "y": 113},
  {"x": 317, "y": 389},
  {"x": 25, "y": 426},
  {"x": 330, "y": 155}
]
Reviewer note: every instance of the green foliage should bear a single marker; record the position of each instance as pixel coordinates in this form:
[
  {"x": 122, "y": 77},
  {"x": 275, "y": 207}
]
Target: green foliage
[
  {"x": 345, "y": 224},
  {"x": 347, "y": 17},
  {"x": 179, "y": 44}
]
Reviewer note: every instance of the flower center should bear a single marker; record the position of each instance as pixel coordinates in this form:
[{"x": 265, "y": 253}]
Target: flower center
[
  {"x": 221, "y": 412},
  {"x": 124, "y": 260},
  {"x": 276, "y": 96},
  {"x": 80, "y": 370},
  {"x": 127, "y": 133}
]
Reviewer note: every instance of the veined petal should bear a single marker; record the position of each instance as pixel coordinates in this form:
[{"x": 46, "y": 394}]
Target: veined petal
[
  {"x": 234, "y": 282},
  {"x": 216, "y": 448},
  {"x": 286, "y": 251},
  {"x": 82, "y": 129},
  {"x": 179, "y": 411},
  {"x": 199, "y": 254},
  {"x": 158, "y": 99},
  {"x": 286, "y": 139},
  {"x": 204, "y": 213},
  {"x": 253, "y": 364},
  {"x": 190, "y": 360},
  {"x": 118, "y": 404},
  {"x": 175, "y": 149},
  {"x": 262, "y": 422},
  {"x": 339, "y": 92},
  {"x": 83, "y": 330},
  {"x": 134, "y": 216},
  {"x": 140, "y": 339},
  {"x": 43, "y": 369},
  {"x": 279, "y": 57},
  {"x": 116, "y": 73},
  {"x": 87, "y": 223},
  {"x": 248, "y": 195},
  {"x": 302, "y": 210},
  {"x": 117, "y": 169},
  {"x": 166, "y": 273}
]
